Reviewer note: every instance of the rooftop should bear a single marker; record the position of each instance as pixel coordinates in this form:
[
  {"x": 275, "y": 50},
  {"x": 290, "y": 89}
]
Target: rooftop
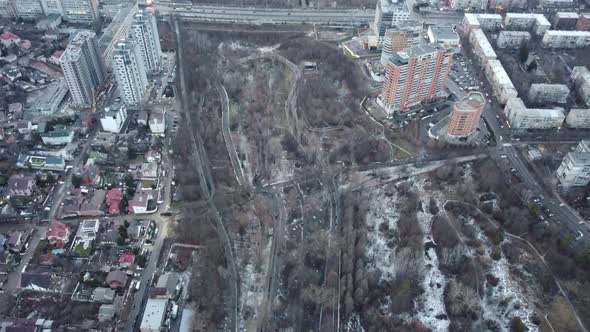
[
  {"x": 402, "y": 57},
  {"x": 155, "y": 309},
  {"x": 483, "y": 42},
  {"x": 74, "y": 48},
  {"x": 443, "y": 32},
  {"x": 568, "y": 15},
  {"x": 567, "y": 33},
  {"x": 500, "y": 73},
  {"x": 471, "y": 102}
]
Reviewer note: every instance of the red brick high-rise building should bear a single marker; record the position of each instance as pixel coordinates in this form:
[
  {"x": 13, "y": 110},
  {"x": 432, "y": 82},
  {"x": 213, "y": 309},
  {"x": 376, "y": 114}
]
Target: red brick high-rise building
[
  {"x": 464, "y": 119},
  {"x": 416, "y": 75}
]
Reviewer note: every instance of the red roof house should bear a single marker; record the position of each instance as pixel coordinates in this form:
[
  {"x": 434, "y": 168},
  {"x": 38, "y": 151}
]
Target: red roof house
[
  {"x": 8, "y": 38},
  {"x": 113, "y": 201},
  {"x": 58, "y": 233},
  {"x": 126, "y": 259}
]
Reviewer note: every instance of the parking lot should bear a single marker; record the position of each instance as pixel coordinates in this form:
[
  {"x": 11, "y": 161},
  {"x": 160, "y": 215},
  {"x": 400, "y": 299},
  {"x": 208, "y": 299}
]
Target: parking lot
[{"x": 462, "y": 73}]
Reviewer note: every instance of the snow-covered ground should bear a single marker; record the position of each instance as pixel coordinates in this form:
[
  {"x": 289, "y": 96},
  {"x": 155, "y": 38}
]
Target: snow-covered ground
[
  {"x": 382, "y": 209},
  {"x": 431, "y": 303}
]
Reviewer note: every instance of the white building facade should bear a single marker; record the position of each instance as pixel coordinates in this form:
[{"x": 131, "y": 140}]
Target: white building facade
[
  {"x": 578, "y": 118},
  {"x": 130, "y": 71},
  {"x": 521, "y": 117},
  {"x": 500, "y": 81},
  {"x": 548, "y": 93},
  {"x": 481, "y": 46}
]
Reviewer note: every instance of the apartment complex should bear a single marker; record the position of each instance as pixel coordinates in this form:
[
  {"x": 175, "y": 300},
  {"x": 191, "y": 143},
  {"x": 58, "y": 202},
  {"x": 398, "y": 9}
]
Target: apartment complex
[
  {"x": 581, "y": 79},
  {"x": 464, "y": 118},
  {"x": 83, "y": 68},
  {"x": 557, "y": 3},
  {"x": 512, "y": 39},
  {"x": 145, "y": 31},
  {"x": 415, "y": 75},
  {"x": 500, "y": 81},
  {"x": 574, "y": 170},
  {"x": 506, "y": 4},
  {"x": 566, "y": 39},
  {"x": 548, "y": 93},
  {"x": 27, "y": 9},
  {"x": 578, "y": 118},
  {"x": 7, "y": 8},
  {"x": 401, "y": 36},
  {"x": 130, "y": 71},
  {"x": 521, "y": 117},
  {"x": 481, "y": 46},
  {"x": 388, "y": 13}
]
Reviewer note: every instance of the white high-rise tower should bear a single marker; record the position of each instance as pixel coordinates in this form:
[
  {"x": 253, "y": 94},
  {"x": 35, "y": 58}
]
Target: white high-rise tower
[
  {"x": 130, "y": 71},
  {"x": 83, "y": 68},
  {"x": 145, "y": 31}
]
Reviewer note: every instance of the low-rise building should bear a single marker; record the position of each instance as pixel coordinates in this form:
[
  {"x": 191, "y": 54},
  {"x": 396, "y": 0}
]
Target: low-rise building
[
  {"x": 444, "y": 36},
  {"x": 512, "y": 39},
  {"x": 501, "y": 84},
  {"x": 48, "y": 163},
  {"x": 86, "y": 233},
  {"x": 583, "y": 23},
  {"x": 521, "y": 117},
  {"x": 566, "y": 39},
  {"x": 157, "y": 123},
  {"x": 481, "y": 46},
  {"x": 565, "y": 20},
  {"x": 114, "y": 119},
  {"x": 140, "y": 203},
  {"x": 581, "y": 78},
  {"x": 149, "y": 171},
  {"x": 21, "y": 185},
  {"x": 60, "y": 135},
  {"x": 154, "y": 315},
  {"x": 8, "y": 39},
  {"x": 116, "y": 279},
  {"x": 113, "y": 200},
  {"x": 548, "y": 93},
  {"x": 103, "y": 295},
  {"x": 126, "y": 259},
  {"x": 574, "y": 170},
  {"x": 52, "y": 98},
  {"x": 58, "y": 234},
  {"x": 578, "y": 118}
]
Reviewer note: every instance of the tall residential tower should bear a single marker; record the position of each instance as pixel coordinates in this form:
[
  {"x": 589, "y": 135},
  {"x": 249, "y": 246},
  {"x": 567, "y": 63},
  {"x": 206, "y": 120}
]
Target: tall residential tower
[
  {"x": 83, "y": 68},
  {"x": 130, "y": 71},
  {"x": 144, "y": 30},
  {"x": 415, "y": 75}
]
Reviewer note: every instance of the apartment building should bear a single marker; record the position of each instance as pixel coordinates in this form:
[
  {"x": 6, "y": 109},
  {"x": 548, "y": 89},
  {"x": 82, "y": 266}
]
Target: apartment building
[
  {"x": 566, "y": 39},
  {"x": 500, "y": 81},
  {"x": 465, "y": 116},
  {"x": 565, "y": 20},
  {"x": 114, "y": 119},
  {"x": 548, "y": 93},
  {"x": 415, "y": 75},
  {"x": 130, "y": 72},
  {"x": 486, "y": 22},
  {"x": 401, "y": 36},
  {"x": 444, "y": 36},
  {"x": 581, "y": 79},
  {"x": 537, "y": 23},
  {"x": 83, "y": 68},
  {"x": 574, "y": 170},
  {"x": 27, "y": 9},
  {"x": 481, "y": 47},
  {"x": 521, "y": 117},
  {"x": 578, "y": 118},
  {"x": 512, "y": 39},
  {"x": 144, "y": 30},
  {"x": 583, "y": 23}
]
